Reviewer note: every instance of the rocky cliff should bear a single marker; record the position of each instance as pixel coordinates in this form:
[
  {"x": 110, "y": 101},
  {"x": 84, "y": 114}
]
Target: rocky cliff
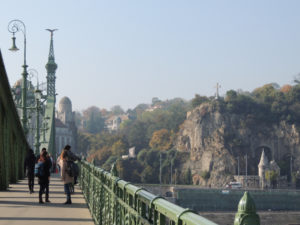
[{"x": 217, "y": 139}]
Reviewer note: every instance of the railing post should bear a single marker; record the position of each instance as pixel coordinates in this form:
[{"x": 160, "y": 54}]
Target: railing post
[
  {"x": 114, "y": 203},
  {"x": 246, "y": 211},
  {"x": 81, "y": 174},
  {"x": 91, "y": 186}
]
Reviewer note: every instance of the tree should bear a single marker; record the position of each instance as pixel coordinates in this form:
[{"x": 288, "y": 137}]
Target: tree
[
  {"x": 92, "y": 120},
  {"x": 83, "y": 142},
  {"x": 150, "y": 175},
  {"x": 100, "y": 156},
  {"x": 161, "y": 140},
  {"x": 294, "y": 94},
  {"x": 133, "y": 114},
  {"x": 78, "y": 118},
  {"x": 118, "y": 148},
  {"x": 188, "y": 176},
  {"x": 286, "y": 88},
  {"x": 136, "y": 134},
  {"x": 155, "y": 101},
  {"x": 231, "y": 95},
  {"x": 297, "y": 79},
  {"x": 271, "y": 176},
  {"x": 205, "y": 175},
  {"x": 198, "y": 100},
  {"x": 129, "y": 170},
  {"x": 117, "y": 110},
  {"x": 265, "y": 93}
]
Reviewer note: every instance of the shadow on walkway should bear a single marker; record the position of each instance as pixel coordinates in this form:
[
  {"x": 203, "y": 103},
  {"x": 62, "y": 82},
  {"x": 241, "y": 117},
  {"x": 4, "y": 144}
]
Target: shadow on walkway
[{"x": 17, "y": 206}]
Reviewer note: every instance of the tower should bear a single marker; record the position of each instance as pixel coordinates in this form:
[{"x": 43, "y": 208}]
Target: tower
[
  {"x": 51, "y": 67},
  {"x": 262, "y": 168}
]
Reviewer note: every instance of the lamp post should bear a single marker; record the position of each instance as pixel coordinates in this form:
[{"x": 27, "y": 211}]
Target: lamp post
[
  {"x": 171, "y": 173},
  {"x": 238, "y": 159},
  {"x": 246, "y": 157},
  {"x": 38, "y": 96},
  {"x": 160, "y": 170},
  {"x": 13, "y": 27},
  {"x": 44, "y": 129}
]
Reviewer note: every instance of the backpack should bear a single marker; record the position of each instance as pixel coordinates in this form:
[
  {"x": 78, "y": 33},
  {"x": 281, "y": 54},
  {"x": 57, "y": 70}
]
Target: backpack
[
  {"x": 70, "y": 168},
  {"x": 76, "y": 170},
  {"x": 39, "y": 170}
]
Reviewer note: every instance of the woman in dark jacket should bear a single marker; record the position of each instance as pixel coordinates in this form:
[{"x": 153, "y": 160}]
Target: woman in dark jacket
[
  {"x": 66, "y": 178},
  {"x": 29, "y": 169},
  {"x": 44, "y": 176},
  {"x": 48, "y": 166}
]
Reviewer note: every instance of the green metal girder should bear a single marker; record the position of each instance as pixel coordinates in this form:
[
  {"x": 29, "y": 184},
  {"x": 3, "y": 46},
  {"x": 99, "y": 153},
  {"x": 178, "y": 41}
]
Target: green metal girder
[
  {"x": 13, "y": 143},
  {"x": 50, "y": 132}
]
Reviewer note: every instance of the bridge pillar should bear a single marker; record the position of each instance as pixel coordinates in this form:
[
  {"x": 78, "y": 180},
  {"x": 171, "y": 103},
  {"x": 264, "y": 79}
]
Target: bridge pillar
[{"x": 246, "y": 214}]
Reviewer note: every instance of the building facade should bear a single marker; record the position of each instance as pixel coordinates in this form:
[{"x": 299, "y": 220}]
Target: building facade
[{"x": 65, "y": 128}]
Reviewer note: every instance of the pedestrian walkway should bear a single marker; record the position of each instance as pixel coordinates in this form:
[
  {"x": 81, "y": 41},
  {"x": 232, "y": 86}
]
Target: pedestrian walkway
[{"x": 18, "y": 206}]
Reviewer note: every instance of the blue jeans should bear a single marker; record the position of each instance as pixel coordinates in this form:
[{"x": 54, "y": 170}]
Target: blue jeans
[{"x": 67, "y": 191}]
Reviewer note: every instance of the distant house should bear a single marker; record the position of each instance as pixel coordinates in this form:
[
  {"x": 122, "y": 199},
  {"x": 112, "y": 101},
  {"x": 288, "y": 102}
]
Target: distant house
[
  {"x": 113, "y": 123},
  {"x": 152, "y": 108},
  {"x": 131, "y": 154}
]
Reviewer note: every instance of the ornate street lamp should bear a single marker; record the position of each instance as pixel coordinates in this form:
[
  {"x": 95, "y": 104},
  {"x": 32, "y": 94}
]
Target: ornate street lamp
[{"x": 13, "y": 27}]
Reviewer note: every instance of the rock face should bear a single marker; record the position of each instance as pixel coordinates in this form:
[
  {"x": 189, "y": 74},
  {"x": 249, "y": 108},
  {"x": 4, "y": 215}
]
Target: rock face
[{"x": 217, "y": 139}]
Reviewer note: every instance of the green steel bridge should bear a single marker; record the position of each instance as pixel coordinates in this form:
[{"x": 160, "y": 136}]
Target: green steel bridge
[{"x": 110, "y": 199}]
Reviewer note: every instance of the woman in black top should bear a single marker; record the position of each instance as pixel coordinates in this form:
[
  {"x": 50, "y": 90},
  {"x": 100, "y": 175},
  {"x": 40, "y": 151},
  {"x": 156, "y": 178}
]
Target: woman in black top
[{"x": 29, "y": 169}]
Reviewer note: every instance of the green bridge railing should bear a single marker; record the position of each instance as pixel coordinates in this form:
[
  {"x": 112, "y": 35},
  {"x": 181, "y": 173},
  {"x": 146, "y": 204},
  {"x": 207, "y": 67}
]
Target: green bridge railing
[
  {"x": 13, "y": 143},
  {"x": 112, "y": 200}
]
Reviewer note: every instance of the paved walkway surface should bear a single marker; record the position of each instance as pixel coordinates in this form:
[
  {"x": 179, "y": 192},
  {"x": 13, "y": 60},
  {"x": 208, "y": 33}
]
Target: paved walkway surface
[{"x": 17, "y": 206}]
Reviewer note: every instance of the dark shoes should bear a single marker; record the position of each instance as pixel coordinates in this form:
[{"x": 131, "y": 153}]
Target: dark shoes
[
  {"x": 41, "y": 200},
  {"x": 68, "y": 202}
]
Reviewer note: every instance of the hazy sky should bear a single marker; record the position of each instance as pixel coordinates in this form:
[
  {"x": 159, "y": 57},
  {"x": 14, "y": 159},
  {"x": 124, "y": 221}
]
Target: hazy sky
[{"x": 126, "y": 52}]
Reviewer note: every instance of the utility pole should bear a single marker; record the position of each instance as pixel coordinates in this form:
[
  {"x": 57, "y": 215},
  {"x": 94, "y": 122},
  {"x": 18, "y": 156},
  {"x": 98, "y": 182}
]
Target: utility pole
[
  {"x": 217, "y": 91},
  {"x": 291, "y": 167},
  {"x": 171, "y": 171},
  {"x": 160, "y": 169},
  {"x": 238, "y": 158},
  {"x": 246, "y": 170},
  {"x": 175, "y": 177}
]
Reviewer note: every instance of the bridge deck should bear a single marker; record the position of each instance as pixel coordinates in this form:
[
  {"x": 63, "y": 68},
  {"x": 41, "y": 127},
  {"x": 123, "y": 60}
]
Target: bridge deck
[{"x": 17, "y": 206}]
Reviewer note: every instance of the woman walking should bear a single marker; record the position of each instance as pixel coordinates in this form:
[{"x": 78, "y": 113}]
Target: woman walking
[
  {"x": 42, "y": 174},
  {"x": 66, "y": 178},
  {"x": 29, "y": 169}
]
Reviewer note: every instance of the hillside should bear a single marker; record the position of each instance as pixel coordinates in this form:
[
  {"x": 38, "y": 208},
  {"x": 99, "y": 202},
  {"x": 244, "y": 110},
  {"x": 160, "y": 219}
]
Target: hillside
[
  {"x": 199, "y": 141},
  {"x": 215, "y": 138}
]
